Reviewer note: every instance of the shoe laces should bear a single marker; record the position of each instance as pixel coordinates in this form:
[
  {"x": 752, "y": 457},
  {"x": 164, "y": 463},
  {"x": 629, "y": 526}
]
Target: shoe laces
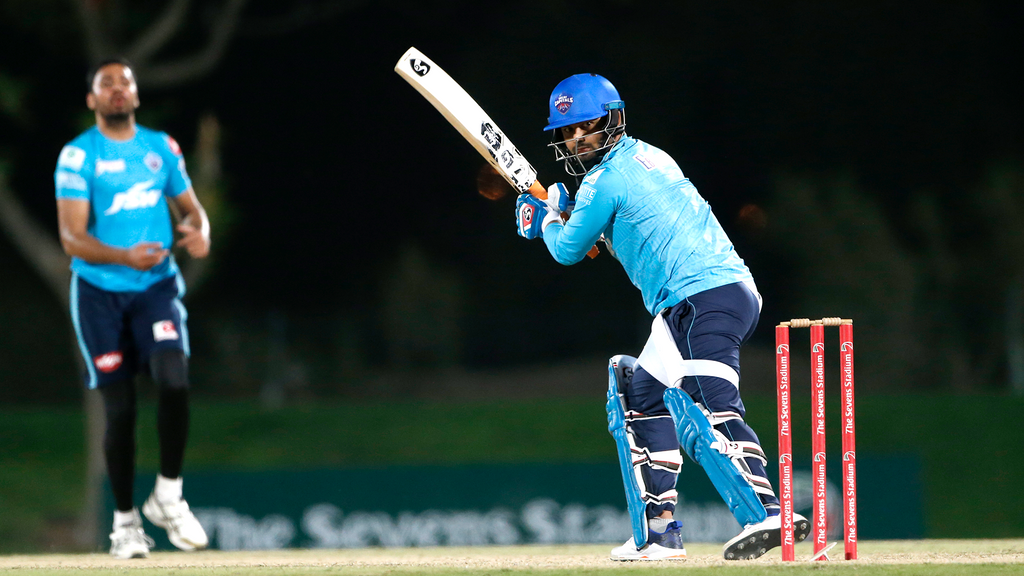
[
  {"x": 176, "y": 512},
  {"x": 128, "y": 533}
]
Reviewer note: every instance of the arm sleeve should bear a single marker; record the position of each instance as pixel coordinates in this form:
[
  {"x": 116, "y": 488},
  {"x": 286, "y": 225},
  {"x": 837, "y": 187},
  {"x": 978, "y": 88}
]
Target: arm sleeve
[
  {"x": 73, "y": 174},
  {"x": 596, "y": 202},
  {"x": 178, "y": 181}
]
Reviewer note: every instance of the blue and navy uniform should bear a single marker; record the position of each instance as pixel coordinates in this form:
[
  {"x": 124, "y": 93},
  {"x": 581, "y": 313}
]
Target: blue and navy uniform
[
  {"x": 655, "y": 223},
  {"x": 122, "y": 315}
]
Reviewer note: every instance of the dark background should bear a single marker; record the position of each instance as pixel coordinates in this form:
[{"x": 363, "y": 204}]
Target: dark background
[{"x": 865, "y": 158}]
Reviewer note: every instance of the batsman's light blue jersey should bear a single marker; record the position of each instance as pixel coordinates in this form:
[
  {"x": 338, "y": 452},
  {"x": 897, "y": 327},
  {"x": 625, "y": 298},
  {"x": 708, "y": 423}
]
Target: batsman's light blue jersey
[
  {"x": 654, "y": 222},
  {"x": 125, "y": 184}
]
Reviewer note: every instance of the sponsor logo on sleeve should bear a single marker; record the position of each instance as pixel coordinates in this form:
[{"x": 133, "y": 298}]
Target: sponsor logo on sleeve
[
  {"x": 70, "y": 181},
  {"x": 584, "y": 195},
  {"x": 108, "y": 362},
  {"x": 173, "y": 145},
  {"x": 164, "y": 330},
  {"x": 72, "y": 158},
  {"x": 645, "y": 161},
  {"x": 136, "y": 197},
  {"x": 109, "y": 166},
  {"x": 181, "y": 168},
  {"x": 153, "y": 161}
]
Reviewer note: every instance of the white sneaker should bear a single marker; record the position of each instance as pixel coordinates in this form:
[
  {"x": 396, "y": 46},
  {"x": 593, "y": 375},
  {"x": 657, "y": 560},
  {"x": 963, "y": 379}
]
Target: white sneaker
[
  {"x": 667, "y": 545},
  {"x": 183, "y": 530},
  {"x": 756, "y": 539},
  {"x": 628, "y": 551},
  {"x": 129, "y": 540}
]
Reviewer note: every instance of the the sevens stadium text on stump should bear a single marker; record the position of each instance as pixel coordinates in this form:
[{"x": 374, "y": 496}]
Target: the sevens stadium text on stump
[{"x": 819, "y": 515}]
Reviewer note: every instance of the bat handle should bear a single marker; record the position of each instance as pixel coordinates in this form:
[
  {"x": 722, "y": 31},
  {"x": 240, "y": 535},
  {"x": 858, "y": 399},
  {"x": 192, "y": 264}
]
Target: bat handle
[{"x": 538, "y": 190}]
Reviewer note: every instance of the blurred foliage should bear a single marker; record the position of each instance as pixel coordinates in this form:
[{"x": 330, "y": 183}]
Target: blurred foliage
[{"x": 929, "y": 294}]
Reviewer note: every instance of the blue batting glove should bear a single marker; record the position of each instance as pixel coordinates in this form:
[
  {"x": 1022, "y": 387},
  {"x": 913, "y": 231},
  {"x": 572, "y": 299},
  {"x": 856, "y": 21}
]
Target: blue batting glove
[
  {"x": 531, "y": 212},
  {"x": 558, "y": 197}
]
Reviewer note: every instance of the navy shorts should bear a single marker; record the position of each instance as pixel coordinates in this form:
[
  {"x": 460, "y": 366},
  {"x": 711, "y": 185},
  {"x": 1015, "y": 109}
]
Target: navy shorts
[{"x": 119, "y": 331}]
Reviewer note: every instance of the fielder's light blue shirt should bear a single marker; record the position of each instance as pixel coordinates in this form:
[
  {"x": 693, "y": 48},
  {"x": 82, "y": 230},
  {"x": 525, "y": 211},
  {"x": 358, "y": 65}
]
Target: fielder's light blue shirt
[
  {"x": 125, "y": 184},
  {"x": 653, "y": 222}
]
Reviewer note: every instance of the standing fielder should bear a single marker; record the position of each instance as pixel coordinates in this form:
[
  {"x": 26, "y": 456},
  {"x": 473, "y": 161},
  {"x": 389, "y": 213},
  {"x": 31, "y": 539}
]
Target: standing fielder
[
  {"x": 112, "y": 181},
  {"x": 683, "y": 390}
]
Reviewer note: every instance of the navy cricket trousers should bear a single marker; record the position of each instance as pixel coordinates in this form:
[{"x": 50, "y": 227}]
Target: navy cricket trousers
[{"x": 710, "y": 325}]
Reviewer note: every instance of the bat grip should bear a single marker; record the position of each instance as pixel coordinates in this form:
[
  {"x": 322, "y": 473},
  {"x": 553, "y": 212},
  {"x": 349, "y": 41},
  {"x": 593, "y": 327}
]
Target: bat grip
[{"x": 538, "y": 190}]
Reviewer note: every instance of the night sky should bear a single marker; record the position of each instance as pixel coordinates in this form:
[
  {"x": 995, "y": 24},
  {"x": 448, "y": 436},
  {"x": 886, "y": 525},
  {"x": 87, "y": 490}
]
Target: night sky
[{"x": 334, "y": 166}]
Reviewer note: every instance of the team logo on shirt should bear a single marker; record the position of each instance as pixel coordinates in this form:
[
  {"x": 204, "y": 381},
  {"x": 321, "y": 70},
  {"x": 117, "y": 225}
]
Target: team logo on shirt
[
  {"x": 108, "y": 362},
  {"x": 563, "y": 103},
  {"x": 164, "y": 330},
  {"x": 153, "y": 161},
  {"x": 138, "y": 196}
]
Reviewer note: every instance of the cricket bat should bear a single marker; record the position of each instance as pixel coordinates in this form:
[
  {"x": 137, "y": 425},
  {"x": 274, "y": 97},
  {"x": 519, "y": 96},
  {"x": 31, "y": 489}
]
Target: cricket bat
[
  {"x": 470, "y": 120},
  {"x": 455, "y": 104}
]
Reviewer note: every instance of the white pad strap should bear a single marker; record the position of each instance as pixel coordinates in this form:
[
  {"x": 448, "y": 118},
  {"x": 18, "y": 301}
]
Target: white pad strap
[{"x": 661, "y": 359}]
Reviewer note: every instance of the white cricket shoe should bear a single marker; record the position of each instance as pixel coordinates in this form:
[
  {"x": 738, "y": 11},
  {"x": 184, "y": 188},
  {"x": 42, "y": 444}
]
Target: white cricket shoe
[
  {"x": 129, "y": 540},
  {"x": 667, "y": 545},
  {"x": 756, "y": 539},
  {"x": 183, "y": 530}
]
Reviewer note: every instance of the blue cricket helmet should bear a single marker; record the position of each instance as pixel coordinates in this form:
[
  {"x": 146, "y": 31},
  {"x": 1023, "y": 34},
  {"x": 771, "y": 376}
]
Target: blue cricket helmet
[{"x": 579, "y": 98}]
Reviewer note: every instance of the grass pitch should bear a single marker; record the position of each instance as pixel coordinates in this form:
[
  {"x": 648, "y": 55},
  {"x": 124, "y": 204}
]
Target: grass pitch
[{"x": 931, "y": 557}]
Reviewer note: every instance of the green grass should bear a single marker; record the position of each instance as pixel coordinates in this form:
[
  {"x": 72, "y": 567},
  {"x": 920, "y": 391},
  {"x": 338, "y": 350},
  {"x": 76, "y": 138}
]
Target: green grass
[
  {"x": 971, "y": 467},
  {"x": 921, "y": 557}
]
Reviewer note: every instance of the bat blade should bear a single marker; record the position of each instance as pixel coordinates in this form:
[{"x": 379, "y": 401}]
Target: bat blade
[
  {"x": 455, "y": 104},
  {"x": 462, "y": 111}
]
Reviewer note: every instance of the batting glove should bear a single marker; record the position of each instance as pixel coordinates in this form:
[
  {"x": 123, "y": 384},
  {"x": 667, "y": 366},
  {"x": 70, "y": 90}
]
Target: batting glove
[{"x": 533, "y": 214}]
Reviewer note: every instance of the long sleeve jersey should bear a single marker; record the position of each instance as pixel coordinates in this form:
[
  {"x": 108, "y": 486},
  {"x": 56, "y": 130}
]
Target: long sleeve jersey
[{"x": 653, "y": 222}]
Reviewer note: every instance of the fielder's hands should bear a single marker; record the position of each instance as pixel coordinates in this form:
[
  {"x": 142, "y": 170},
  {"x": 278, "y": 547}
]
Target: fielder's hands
[
  {"x": 145, "y": 255},
  {"x": 194, "y": 240},
  {"x": 533, "y": 215}
]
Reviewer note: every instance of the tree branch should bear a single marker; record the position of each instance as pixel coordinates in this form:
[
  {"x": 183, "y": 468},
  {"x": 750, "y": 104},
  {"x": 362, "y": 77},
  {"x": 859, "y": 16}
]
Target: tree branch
[
  {"x": 95, "y": 40},
  {"x": 306, "y": 14},
  {"x": 157, "y": 35},
  {"x": 197, "y": 65},
  {"x": 37, "y": 247}
]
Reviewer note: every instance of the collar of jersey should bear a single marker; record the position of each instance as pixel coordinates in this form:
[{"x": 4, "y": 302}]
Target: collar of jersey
[{"x": 623, "y": 143}]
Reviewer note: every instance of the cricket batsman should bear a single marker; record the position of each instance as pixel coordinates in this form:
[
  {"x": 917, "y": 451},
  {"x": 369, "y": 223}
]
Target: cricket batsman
[{"x": 683, "y": 389}]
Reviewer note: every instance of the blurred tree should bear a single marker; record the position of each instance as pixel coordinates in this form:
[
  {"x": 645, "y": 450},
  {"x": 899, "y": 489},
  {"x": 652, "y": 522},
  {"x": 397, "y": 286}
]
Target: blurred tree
[{"x": 938, "y": 302}]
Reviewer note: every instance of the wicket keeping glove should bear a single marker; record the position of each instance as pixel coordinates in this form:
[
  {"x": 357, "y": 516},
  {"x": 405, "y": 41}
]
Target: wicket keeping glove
[{"x": 533, "y": 214}]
